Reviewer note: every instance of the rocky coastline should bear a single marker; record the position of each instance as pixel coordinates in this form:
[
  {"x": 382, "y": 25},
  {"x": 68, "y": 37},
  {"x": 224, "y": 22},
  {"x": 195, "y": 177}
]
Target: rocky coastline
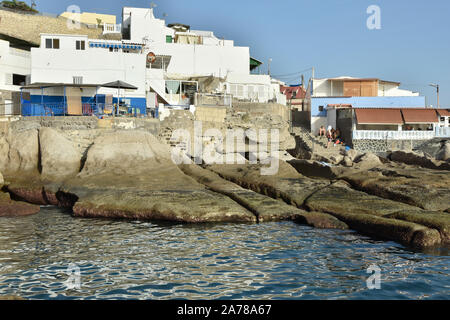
[{"x": 129, "y": 174}]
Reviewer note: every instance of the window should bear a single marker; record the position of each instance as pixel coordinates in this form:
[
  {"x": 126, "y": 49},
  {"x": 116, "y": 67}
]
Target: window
[
  {"x": 19, "y": 80},
  {"x": 77, "y": 80},
  {"x": 320, "y": 108},
  {"x": 80, "y": 45},
  {"x": 52, "y": 43},
  {"x": 169, "y": 39}
]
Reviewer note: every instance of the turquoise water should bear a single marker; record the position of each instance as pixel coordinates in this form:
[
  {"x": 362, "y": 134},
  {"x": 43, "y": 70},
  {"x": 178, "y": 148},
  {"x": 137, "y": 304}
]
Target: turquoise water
[{"x": 142, "y": 260}]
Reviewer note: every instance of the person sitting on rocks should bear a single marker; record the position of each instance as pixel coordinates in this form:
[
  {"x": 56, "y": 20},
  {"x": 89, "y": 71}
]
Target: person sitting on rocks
[
  {"x": 322, "y": 131},
  {"x": 329, "y": 136}
]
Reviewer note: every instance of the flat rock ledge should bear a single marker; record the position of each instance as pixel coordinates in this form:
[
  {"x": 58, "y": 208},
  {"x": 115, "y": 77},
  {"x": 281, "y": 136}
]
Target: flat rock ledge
[
  {"x": 11, "y": 208},
  {"x": 130, "y": 175}
]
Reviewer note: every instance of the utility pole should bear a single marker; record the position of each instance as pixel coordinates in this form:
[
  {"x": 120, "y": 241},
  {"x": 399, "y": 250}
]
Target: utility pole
[
  {"x": 437, "y": 92},
  {"x": 270, "y": 60}
]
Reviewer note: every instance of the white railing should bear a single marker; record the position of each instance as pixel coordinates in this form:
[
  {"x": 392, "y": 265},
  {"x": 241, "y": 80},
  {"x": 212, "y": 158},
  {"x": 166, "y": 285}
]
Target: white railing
[
  {"x": 443, "y": 132},
  {"x": 112, "y": 28},
  {"x": 393, "y": 135}
]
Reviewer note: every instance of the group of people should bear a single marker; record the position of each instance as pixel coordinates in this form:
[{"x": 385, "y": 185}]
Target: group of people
[{"x": 333, "y": 136}]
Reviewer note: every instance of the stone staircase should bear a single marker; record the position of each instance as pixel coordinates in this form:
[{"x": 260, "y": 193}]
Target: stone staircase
[{"x": 317, "y": 146}]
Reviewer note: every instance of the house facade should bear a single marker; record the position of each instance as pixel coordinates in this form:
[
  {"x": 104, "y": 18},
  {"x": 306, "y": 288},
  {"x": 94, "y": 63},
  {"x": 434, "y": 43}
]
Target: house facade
[
  {"x": 73, "y": 67},
  {"x": 358, "y": 93},
  {"x": 15, "y": 70},
  {"x": 180, "y": 59}
]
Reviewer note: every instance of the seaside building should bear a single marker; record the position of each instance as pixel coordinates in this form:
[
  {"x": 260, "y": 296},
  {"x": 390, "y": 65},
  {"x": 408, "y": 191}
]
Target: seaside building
[
  {"x": 170, "y": 65},
  {"x": 15, "y": 70},
  {"x": 90, "y": 18},
  {"x": 181, "y": 59},
  {"x": 370, "y": 108},
  {"x": 72, "y": 69}
]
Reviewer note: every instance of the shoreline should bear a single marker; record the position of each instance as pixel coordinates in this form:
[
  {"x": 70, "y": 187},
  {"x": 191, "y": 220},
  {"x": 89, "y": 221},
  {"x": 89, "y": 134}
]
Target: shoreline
[{"x": 129, "y": 174}]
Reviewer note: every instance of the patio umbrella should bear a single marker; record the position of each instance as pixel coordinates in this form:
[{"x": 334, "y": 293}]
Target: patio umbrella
[{"x": 119, "y": 84}]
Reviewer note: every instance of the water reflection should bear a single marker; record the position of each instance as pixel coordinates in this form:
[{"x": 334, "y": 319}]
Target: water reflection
[{"x": 142, "y": 260}]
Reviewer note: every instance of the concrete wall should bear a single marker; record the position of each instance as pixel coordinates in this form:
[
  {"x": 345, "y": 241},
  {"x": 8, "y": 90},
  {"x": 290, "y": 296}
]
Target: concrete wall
[
  {"x": 204, "y": 60},
  {"x": 212, "y": 114},
  {"x": 382, "y": 146}
]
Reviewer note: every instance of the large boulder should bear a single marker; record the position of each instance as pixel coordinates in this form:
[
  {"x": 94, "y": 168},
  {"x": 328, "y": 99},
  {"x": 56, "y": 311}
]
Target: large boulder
[
  {"x": 424, "y": 188},
  {"x": 416, "y": 159},
  {"x": 367, "y": 161},
  {"x": 10, "y": 208},
  {"x": 264, "y": 207},
  {"x": 59, "y": 157},
  {"x": 23, "y": 152},
  {"x": 286, "y": 184},
  {"x": 130, "y": 174},
  {"x": 444, "y": 153},
  {"x": 4, "y": 152},
  {"x": 352, "y": 154}
]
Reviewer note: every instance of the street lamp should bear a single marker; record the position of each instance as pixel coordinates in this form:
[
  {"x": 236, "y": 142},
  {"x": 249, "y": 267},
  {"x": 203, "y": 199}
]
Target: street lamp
[
  {"x": 270, "y": 60},
  {"x": 437, "y": 91}
]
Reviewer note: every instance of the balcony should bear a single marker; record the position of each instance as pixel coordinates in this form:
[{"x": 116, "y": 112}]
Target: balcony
[{"x": 112, "y": 28}]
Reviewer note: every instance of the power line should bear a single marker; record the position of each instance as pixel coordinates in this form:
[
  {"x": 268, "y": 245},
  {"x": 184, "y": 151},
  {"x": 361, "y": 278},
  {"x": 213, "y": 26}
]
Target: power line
[{"x": 291, "y": 74}]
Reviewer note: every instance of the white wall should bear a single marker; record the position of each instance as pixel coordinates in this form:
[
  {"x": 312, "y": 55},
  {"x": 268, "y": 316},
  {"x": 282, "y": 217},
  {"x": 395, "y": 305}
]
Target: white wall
[
  {"x": 12, "y": 61},
  {"x": 204, "y": 60},
  {"x": 144, "y": 24},
  {"x": 392, "y": 90},
  {"x": 327, "y": 88},
  {"x": 316, "y": 123},
  {"x": 96, "y": 66}
]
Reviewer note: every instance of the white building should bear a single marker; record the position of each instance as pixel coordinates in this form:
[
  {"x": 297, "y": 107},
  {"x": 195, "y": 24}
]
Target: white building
[
  {"x": 180, "y": 55},
  {"x": 77, "y": 60},
  {"x": 15, "y": 70},
  {"x": 362, "y": 87}
]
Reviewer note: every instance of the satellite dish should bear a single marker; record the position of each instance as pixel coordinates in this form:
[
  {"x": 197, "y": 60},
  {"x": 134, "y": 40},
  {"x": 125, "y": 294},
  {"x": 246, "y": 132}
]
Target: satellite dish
[{"x": 151, "y": 57}]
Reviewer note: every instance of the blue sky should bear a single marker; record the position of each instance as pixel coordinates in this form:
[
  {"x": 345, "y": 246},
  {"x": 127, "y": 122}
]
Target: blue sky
[{"x": 411, "y": 47}]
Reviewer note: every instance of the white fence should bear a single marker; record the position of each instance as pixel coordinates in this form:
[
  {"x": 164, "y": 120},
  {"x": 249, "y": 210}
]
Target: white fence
[
  {"x": 20, "y": 53},
  {"x": 112, "y": 28},
  {"x": 400, "y": 135}
]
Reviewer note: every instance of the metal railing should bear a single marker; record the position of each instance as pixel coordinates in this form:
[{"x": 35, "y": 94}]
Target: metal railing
[
  {"x": 214, "y": 100},
  {"x": 443, "y": 132},
  {"x": 397, "y": 135},
  {"x": 112, "y": 28},
  {"x": 60, "y": 109}
]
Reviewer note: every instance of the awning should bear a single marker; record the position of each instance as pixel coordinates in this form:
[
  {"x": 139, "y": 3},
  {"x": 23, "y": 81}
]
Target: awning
[
  {"x": 424, "y": 116},
  {"x": 379, "y": 116},
  {"x": 114, "y": 45},
  {"x": 443, "y": 112}
]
